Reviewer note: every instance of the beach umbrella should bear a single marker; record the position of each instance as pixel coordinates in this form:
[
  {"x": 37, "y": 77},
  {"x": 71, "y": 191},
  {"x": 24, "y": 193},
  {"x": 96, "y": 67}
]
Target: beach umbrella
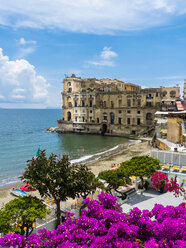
[{"x": 38, "y": 152}]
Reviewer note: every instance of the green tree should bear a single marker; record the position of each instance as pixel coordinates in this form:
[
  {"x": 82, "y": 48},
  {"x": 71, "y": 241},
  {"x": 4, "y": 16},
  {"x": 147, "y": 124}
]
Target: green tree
[
  {"x": 20, "y": 214},
  {"x": 58, "y": 178},
  {"x": 87, "y": 183},
  {"x": 140, "y": 166},
  {"x": 52, "y": 177},
  {"x": 115, "y": 179}
]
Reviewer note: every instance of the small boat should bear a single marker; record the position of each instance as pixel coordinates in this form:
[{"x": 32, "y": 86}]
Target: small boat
[
  {"x": 27, "y": 188},
  {"x": 18, "y": 192}
]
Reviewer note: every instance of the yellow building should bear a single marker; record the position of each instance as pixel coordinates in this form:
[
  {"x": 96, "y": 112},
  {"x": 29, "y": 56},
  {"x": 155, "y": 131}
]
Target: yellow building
[{"x": 108, "y": 106}]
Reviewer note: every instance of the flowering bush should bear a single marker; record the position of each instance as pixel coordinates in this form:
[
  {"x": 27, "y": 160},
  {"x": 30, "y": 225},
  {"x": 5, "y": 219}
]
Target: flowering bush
[
  {"x": 159, "y": 180},
  {"x": 173, "y": 186},
  {"x": 102, "y": 224},
  {"x": 161, "y": 183}
]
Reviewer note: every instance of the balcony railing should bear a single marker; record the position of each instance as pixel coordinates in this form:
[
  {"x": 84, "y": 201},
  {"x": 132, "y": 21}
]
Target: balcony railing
[{"x": 149, "y": 97}]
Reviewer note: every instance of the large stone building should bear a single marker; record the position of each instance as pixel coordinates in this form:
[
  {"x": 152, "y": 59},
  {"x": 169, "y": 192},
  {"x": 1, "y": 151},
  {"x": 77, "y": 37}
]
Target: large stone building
[
  {"x": 170, "y": 96},
  {"x": 108, "y": 106}
]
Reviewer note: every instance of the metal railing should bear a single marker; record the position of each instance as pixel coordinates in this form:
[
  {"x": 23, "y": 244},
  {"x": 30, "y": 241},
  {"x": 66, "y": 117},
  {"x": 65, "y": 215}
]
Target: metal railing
[{"x": 170, "y": 158}]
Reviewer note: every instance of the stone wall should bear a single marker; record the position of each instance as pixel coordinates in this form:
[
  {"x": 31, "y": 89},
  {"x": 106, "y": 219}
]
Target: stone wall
[{"x": 174, "y": 130}]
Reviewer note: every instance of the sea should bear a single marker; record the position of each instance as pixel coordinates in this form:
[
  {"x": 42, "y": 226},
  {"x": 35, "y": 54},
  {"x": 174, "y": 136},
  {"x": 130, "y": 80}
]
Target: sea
[{"x": 23, "y": 131}]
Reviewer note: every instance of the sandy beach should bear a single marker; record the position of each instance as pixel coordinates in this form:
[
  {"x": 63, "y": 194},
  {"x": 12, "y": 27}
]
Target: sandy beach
[
  {"x": 6, "y": 196},
  {"x": 104, "y": 163},
  {"x": 124, "y": 154}
]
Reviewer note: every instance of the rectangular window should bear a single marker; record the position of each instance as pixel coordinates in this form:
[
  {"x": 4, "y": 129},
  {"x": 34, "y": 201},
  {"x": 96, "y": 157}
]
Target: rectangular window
[
  {"x": 90, "y": 111},
  {"x": 138, "y": 111},
  {"x": 138, "y": 121},
  {"x": 90, "y": 119},
  {"x": 128, "y": 121},
  {"x": 128, "y": 102},
  {"x": 112, "y": 104},
  {"x": 120, "y": 103},
  {"x": 119, "y": 120},
  {"x": 70, "y": 104},
  {"x": 157, "y": 104},
  {"x": 128, "y": 111},
  {"x": 119, "y": 111},
  {"x": 149, "y": 104},
  {"x": 139, "y": 102}
]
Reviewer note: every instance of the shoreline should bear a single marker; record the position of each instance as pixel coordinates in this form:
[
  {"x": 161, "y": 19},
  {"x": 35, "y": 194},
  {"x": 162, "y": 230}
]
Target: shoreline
[
  {"x": 86, "y": 159},
  {"x": 139, "y": 149},
  {"x": 122, "y": 153}
]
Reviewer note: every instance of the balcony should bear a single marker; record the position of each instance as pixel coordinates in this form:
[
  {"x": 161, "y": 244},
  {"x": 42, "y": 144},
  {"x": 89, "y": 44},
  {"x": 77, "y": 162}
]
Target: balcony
[{"x": 149, "y": 98}]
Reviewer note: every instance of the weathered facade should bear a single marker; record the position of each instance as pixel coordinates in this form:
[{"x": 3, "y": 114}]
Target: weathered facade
[
  {"x": 170, "y": 96},
  {"x": 108, "y": 106}
]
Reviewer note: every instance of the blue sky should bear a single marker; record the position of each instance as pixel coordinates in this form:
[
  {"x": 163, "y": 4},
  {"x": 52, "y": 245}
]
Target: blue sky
[{"x": 138, "y": 41}]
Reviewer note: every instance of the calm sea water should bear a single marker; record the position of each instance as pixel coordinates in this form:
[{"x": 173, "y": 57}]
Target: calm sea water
[{"x": 22, "y": 131}]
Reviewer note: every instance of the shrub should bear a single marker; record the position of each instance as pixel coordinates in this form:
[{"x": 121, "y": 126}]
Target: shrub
[{"x": 103, "y": 224}]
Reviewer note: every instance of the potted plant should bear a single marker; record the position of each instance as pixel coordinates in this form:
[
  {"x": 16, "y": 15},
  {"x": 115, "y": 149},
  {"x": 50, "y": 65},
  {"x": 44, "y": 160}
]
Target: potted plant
[{"x": 159, "y": 180}]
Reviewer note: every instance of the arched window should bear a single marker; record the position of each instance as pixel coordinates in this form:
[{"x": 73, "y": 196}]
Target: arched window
[
  {"x": 69, "y": 101},
  {"x": 172, "y": 93},
  {"x": 111, "y": 118},
  {"x": 69, "y": 116},
  {"x": 164, "y": 93},
  {"x": 105, "y": 116},
  {"x": 149, "y": 118}
]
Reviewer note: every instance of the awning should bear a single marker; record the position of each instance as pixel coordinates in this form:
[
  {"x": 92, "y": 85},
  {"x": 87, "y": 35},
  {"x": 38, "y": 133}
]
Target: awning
[{"x": 163, "y": 131}]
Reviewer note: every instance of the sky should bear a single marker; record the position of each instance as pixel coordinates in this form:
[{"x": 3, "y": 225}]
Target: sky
[{"x": 41, "y": 42}]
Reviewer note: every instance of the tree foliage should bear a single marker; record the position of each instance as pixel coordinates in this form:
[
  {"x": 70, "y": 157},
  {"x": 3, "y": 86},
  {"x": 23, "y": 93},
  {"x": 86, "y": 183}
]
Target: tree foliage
[
  {"x": 58, "y": 178},
  {"x": 140, "y": 166},
  {"x": 115, "y": 179},
  {"x": 87, "y": 182},
  {"x": 20, "y": 214}
]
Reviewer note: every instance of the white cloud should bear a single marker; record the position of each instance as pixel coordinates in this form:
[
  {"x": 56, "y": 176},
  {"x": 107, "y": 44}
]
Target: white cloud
[
  {"x": 105, "y": 58},
  {"x": 108, "y": 54},
  {"x": 1, "y": 97},
  {"x": 23, "y": 42},
  {"x": 23, "y": 52},
  {"x": 26, "y": 47},
  {"x": 90, "y": 16},
  {"x": 19, "y": 81}
]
